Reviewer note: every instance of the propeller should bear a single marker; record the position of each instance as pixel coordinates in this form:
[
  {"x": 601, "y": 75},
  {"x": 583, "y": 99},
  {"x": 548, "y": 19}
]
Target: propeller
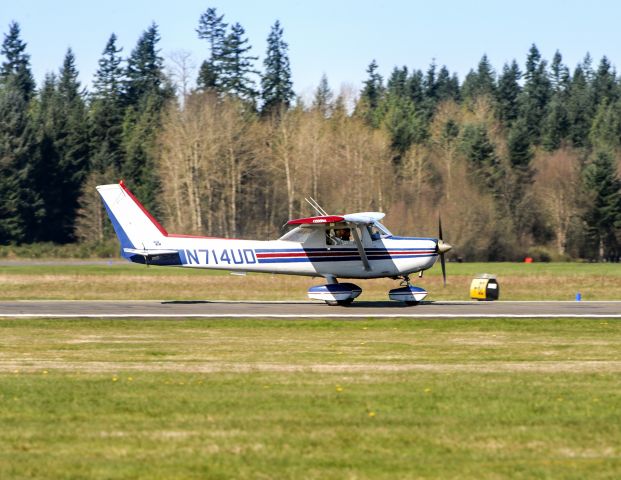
[{"x": 442, "y": 247}]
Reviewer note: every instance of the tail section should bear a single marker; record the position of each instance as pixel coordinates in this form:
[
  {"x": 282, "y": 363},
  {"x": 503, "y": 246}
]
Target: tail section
[{"x": 136, "y": 228}]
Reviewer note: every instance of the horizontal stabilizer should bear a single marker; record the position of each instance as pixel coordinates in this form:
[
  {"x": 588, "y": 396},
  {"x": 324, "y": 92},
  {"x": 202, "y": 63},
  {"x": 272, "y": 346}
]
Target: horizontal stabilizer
[{"x": 150, "y": 252}]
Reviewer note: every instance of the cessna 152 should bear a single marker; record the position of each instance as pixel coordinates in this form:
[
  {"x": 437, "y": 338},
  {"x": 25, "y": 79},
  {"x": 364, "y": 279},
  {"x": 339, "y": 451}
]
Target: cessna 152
[{"x": 348, "y": 246}]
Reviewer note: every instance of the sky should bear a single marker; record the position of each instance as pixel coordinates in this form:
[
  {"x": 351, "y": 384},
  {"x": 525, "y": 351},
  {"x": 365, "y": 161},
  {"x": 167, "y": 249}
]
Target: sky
[{"x": 338, "y": 38}]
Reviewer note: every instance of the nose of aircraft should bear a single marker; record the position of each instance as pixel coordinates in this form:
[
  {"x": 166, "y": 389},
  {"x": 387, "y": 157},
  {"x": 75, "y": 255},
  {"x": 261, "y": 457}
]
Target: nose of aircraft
[{"x": 443, "y": 246}]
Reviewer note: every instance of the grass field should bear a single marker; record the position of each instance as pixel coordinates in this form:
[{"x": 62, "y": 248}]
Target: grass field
[
  {"x": 320, "y": 399},
  {"x": 518, "y": 281}
]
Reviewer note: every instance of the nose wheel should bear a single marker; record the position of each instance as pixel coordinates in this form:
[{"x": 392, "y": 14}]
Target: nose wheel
[{"x": 407, "y": 293}]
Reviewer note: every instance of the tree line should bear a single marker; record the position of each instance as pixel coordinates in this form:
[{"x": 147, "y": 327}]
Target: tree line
[{"x": 524, "y": 161}]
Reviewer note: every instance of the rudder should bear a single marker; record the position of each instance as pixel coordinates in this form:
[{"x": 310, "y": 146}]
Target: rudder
[{"x": 134, "y": 225}]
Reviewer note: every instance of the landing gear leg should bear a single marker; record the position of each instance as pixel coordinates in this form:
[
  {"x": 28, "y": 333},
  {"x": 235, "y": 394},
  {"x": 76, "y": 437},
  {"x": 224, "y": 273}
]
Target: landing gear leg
[{"x": 406, "y": 283}]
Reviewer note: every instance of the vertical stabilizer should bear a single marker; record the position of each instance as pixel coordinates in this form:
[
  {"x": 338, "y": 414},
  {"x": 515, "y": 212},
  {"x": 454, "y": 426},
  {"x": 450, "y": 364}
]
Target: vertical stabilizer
[{"x": 134, "y": 226}]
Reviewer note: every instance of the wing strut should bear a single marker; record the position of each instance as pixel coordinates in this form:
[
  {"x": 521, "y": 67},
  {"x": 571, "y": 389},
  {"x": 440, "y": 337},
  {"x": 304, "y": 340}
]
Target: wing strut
[{"x": 363, "y": 254}]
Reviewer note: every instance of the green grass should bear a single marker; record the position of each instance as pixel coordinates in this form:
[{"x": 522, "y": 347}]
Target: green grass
[{"x": 168, "y": 399}]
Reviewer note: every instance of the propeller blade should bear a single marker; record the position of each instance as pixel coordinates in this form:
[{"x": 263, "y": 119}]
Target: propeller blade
[
  {"x": 442, "y": 249},
  {"x": 443, "y": 268}
]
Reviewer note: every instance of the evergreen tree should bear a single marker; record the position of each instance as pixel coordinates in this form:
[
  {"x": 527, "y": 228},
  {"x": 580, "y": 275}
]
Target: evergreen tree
[
  {"x": 559, "y": 74},
  {"x": 237, "y": 66},
  {"x": 508, "y": 93},
  {"x": 579, "y": 108},
  {"x": 603, "y": 215},
  {"x": 21, "y": 207},
  {"x": 604, "y": 84},
  {"x": 146, "y": 93},
  {"x": 485, "y": 164},
  {"x": 430, "y": 84},
  {"x": 479, "y": 83},
  {"x": 16, "y": 67},
  {"x": 405, "y": 124},
  {"x": 64, "y": 150},
  {"x": 106, "y": 112},
  {"x": 397, "y": 82},
  {"x": 555, "y": 127},
  {"x": 276, "y": 85},
  {"x": 322, "y": 100},
  {"x": 212, "y": 28},
  {"x": 448, "y": 86},
  {"x": 606, "y": 127},
  {"x": 371, "y": 96},
  {"x": 144, "y": 74},
  {"x": 139, "y": 169},
  {"x": 523, "y": 210},
  {"x": 108, "y": 80},
  {"x": 520, "y": 152},
  {"x": 415, "y": 87},
  {"x": 536, "y": 94}
]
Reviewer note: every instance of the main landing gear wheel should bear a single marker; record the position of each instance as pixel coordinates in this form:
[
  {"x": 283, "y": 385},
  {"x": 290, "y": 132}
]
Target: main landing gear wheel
[
  {"x": 342, "y": 303},
  {"x": 335, "y": 293}
]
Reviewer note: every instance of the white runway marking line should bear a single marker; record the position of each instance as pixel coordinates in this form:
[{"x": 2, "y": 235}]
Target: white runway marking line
[{"x": 301, "y": 315}]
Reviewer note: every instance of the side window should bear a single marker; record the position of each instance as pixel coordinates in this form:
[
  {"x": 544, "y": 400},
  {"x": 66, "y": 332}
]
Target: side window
[{"x": 338, "y": 236}]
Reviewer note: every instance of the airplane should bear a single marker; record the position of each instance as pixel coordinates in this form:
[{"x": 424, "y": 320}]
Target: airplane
[{"x": 350, "y": 246}]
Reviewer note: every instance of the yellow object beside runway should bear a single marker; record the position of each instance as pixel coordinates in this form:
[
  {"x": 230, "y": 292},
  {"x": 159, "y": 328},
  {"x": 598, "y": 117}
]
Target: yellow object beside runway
[{"x": 484, "y": 287}]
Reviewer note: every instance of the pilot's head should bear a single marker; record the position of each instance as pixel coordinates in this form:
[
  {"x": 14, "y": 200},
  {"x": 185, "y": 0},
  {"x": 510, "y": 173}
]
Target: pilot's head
[{"x": 342, "y": 233}]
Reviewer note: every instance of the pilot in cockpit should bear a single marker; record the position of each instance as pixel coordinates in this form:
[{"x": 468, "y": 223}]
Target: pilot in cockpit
[{"x": 342, "y": 235}]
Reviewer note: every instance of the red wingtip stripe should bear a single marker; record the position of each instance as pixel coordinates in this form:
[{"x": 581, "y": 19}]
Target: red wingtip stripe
[
  {"x": 144, "y": 210},
  {"x": 316, "y": 220}
]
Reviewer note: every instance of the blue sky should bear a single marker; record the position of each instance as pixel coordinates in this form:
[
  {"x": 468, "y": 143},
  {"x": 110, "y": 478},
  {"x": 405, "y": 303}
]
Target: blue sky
[{"x": 338, "y": 37}]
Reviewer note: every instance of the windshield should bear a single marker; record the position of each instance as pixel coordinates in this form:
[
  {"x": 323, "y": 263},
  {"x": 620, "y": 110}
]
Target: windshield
[
  {"x": 298, "y": 234},
  {"x": 377, "y": 231},
  {"x": 383, "y": 230}
]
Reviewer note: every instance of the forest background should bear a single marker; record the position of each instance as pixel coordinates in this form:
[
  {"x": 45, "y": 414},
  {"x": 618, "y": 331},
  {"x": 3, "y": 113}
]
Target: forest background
[{"x": 520, "y": 161}]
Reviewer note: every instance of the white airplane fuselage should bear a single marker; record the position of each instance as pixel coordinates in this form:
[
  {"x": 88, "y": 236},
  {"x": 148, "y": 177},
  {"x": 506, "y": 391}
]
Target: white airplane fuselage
[{"x": 388, "y": 257}]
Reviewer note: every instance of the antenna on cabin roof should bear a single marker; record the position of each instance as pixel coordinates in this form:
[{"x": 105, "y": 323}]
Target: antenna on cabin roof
[{"x": 313, "y": 203}]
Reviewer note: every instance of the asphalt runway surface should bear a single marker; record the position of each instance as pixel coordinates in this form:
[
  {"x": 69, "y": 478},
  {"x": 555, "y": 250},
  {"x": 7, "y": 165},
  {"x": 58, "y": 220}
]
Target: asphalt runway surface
[{"x": 256, "y": 309}]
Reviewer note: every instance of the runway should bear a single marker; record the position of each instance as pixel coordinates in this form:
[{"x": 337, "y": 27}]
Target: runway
[{"x": 256, "y": 309}]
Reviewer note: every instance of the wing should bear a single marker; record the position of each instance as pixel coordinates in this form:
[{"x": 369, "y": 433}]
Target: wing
[
  {"x": 319, "y": 221},
  {"x": 365, "y": 218}
]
